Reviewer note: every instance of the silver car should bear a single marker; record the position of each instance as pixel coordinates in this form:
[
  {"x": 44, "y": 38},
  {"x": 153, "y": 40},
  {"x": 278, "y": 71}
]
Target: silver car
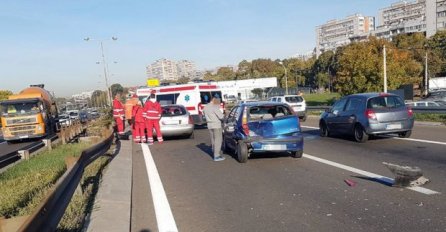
[
  {"x": 176, "y": 121},
  {"x": 368, "y": 114}
]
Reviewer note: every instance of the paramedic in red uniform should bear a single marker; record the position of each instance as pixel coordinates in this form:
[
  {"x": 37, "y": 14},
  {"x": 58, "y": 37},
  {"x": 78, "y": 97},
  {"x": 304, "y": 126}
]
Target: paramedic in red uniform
[
  {"x": 152, "y": 113},
  {"x": 138, "y": 125},
  {"x": 118, "y": 114}
]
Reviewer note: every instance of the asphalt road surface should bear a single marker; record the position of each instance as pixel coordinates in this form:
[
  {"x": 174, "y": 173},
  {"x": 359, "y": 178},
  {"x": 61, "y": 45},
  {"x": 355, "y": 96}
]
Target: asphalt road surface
[{"x": 279, "y": 193}]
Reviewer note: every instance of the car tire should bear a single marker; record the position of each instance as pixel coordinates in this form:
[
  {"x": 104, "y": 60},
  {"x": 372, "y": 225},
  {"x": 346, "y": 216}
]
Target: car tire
[
  {"x": 360, "y": 135},
  {"x": 297, "y": 154},
  {"x": 224, "y": 147},
  {"x": 242, "y": 152},
  {"x": 405, "y": 134},
  {"x": 323, "y": 129}
]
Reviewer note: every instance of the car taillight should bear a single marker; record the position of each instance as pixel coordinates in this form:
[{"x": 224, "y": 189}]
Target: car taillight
[
  {"x": 191, "y": 121},
  {"x": 409, "y": 112},
  {"x": 245, "y": 122},
  {"x": 370, "y": 114}
]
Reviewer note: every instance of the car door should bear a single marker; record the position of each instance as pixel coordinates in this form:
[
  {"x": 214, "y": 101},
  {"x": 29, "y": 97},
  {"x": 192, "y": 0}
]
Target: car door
[
  {"x": 229, "y": 128},
  {"x": 348, "y": 117},
  {"x": 333, "y": 117}
]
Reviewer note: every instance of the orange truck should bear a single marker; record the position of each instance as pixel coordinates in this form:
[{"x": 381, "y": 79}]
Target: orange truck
[{"x": 30, "y": 114}]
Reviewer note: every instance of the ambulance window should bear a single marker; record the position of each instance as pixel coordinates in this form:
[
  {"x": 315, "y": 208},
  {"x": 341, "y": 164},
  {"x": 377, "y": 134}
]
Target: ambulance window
[
  {"x": 205, "y": 97},
  {"x": 167, "y": 99}
]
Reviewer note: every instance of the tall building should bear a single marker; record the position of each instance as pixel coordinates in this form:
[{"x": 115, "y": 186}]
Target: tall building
[
  {"x": 163, "y": 69},
  {"x": 186, "y": 68},
  {"x": 336, "y": 33},
  {"x": 435, "y": 16}
]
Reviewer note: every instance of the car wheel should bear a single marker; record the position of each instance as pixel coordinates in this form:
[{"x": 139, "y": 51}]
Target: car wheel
[
  {"x": 242, "y": 152},
  {"x": 297, "y": 154},
  {"x": 405, "y": 134},
  {"x": 360, "y": 135},
  {"x": 323, "y": 129},
  {"x": 225, "y": 148}
]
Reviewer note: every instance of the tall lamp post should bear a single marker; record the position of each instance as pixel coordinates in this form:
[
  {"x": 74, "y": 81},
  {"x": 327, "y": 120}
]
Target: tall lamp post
[
  {"x": 286, "y": 77},
  {"x": 109, "y": 96}
]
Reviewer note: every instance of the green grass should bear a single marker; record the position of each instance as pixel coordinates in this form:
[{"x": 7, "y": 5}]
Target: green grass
[
  {"x": 23, "y": 186},
  {"x": 321, "y": 99},
  {"x": 430, "y": 117}
]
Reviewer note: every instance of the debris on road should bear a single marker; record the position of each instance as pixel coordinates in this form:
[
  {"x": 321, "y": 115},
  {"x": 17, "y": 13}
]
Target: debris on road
[
  {"x": 350, "y": 183},
  {"x": 406, "y": 176}
]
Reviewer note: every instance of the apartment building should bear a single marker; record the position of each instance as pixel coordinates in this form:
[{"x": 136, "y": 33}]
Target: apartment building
[
  {"x": 186, "y": 68},
  {"x": 163, "y": 69},
  {"x": 336, "y": 33},
  {"x": 435, "y": 16}
]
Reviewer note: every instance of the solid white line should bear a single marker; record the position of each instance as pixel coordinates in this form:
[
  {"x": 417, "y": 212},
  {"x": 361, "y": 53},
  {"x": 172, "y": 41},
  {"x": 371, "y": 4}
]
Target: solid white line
[
  {"x": 408, "y": 139},
  {"x": 421, "y": 141},
  {"x": 310, "y": 127},
  {"x": 164, "y": 216},
  {"x": 385, "y": 179}
]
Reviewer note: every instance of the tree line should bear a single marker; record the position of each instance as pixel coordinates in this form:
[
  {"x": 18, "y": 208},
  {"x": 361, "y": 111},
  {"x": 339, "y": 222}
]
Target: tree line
[{"x": 354, "y": 68}]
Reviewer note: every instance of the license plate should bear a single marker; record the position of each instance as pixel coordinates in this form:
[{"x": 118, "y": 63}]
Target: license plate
[
  {"x": 274, "y": 147},
  {"x": 171, "y": 123},
  {"x": 23, "y": 136},
  {"x": 393, "y": 126},
  {"x": 296, "y": 108}
]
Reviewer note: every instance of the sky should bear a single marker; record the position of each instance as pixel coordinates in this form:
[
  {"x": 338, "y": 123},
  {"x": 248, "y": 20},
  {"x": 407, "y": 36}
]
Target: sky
[{"x": 43, "y": 41}]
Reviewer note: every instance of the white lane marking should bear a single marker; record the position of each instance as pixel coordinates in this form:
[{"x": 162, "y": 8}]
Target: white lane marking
[
  {"x": 408, "y": 139},
  {"x": 3, "y": 142},
  {"x": 310, "y": 127},
  {"x": 421, "y": 140},
  {"x": 164, "y": 216},
  {"x": 385, "y": 179}
]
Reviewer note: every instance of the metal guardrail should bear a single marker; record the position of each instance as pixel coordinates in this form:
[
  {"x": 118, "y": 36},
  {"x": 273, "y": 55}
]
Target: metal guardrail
[
  {"x": 49, "y": 213},
  {"x": 423, "y": 110}
]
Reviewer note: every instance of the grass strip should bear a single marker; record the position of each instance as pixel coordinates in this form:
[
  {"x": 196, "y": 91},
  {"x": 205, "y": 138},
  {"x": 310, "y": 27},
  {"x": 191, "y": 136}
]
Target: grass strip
[
  {"x": 321, "y": 99},
  {"x": 23, "y": 186},
  {"x": 430, "y": 117}
]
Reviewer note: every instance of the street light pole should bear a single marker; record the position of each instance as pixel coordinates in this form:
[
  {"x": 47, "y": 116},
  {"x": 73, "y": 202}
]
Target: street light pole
[
  {"x": 426, "y": 78},
  {"x": 385, "y": 69},
  {"x": 109, "y": 94}
]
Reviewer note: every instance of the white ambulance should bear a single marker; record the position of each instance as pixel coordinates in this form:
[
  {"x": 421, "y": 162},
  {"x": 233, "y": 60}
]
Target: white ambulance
[{"x": 192, "y": 96}]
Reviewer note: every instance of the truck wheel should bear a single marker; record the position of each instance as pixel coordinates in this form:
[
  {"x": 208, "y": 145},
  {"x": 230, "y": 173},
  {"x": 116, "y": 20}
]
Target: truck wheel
[
  {"x": 242, "y": 152},
  {"x": 405, "y": 134},
  {"x": 297, "y": 154},
  {"x": 360, "y": 135}
]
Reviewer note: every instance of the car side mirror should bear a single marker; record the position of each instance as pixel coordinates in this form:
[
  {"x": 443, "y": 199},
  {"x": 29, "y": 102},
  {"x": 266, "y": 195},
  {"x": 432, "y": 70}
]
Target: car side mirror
[{"x": 335, "y": 112}]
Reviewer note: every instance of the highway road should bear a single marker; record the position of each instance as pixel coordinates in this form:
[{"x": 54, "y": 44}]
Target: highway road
[{"x": 280, "y": 193}]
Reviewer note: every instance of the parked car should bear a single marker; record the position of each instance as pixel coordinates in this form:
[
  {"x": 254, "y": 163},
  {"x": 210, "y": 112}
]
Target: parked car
[
  {"x": 424, "y": 104},
  {"x": 83, "y": 116},
  {"x": 74, "y": 114},
  {"x": 230, "y": 99},
  {"x": 258, "y": 127},
  {"x": 176, "y": 121},
  {"x": 368, "y": 114},
  {"x": 65, "y": 120},
  {"x": 439, "y": 95},
  {"x": 297, "y": 103}
]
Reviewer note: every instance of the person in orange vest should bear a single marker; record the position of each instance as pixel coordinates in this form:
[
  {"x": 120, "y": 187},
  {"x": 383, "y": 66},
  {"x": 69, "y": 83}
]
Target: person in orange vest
[
  {"x": 129, "y": 104},
  {"x": 152, "y": 114},
  {"x": 118, "y": 114},
  {"x": 138, "y": 124}
]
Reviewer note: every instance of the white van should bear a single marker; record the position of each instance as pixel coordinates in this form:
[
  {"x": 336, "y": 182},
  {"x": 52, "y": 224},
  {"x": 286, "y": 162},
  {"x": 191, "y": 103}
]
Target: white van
[{"x": 192, "y": 96}]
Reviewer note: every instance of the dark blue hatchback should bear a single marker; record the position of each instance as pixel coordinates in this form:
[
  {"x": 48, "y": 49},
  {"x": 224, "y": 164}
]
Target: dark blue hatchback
[{"x": 259, "y": 127}]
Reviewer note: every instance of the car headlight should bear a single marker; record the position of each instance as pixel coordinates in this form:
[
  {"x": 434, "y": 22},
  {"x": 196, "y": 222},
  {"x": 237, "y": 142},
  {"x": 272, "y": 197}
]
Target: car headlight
[{"x": 39, "y": 128}]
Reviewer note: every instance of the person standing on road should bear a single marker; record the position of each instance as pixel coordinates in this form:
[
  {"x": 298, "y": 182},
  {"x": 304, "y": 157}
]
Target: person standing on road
[
  {"x": 138, "y": 124},
  {"x": 214, "y": 117},
  {"x": 152, "y": 113},
  {"x": 129, "y": 104},
  {"x": 118, "y": 114}
]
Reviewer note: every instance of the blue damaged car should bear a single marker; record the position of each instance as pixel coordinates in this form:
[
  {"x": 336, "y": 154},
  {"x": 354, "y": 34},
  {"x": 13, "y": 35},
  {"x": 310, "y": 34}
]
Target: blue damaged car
[{"x": 262, "y": 127}]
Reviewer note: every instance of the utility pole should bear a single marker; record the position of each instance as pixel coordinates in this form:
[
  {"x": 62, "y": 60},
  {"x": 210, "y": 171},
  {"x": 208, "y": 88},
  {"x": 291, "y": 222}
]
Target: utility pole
[
  {"x": 109, "y": 96},
  {"x": 426, "y": 78},
  {"x": 385, "y": 69}
]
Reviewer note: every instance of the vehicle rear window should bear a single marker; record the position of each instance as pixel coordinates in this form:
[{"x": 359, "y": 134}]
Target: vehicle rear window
[
  {"x": 385, "y": 102},
  {"x": 173, "y": 110},
  {"x": 166, "y": 99},
  {"x": 294, "y": 99},
  {"x": 268, "y": 112}
]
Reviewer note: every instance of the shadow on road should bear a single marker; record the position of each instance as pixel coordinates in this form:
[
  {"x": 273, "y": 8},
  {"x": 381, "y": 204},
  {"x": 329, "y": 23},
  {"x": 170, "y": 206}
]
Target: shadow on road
[{"x": 206, "y": 149}]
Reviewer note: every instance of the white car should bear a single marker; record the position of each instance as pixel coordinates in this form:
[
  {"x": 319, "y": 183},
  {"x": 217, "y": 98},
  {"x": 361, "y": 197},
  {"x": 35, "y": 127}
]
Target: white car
[
  {"x": 297, "y": 103},
  {"x": 65, "y": 120}
]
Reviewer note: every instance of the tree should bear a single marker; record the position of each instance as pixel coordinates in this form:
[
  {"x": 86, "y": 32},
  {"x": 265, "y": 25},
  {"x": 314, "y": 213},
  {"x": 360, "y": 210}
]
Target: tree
[
  {"x": 183, "y": 80},
  {"x": 360, "y": 67},
  {"x": 4, "y": 94},
  {"x": 225, "y": 74},
  {"x": 257, "y": 92},
  {"x": 99, "y": 98},
  {"x": 437, "y": 54},
  {"x": 244, "y": 70},
  {"x": 116, "y": 88}
]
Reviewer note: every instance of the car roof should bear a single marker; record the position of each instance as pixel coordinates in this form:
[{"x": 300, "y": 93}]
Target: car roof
[
  {"x": 260, "y": 103},
  {"x": 170, "y": 105},
  {"x": 370, "y": 95}
]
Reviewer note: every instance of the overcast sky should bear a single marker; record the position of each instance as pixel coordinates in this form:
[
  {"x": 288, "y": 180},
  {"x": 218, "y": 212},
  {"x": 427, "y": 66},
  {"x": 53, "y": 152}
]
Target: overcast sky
[{"x": 42, "y": 41}]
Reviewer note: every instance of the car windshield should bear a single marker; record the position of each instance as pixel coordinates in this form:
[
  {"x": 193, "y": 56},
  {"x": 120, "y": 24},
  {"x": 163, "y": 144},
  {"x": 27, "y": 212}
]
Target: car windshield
[
  {"x": 268, "y": 112},
  {"x": 173, "y": 111},
  {"x": 294, "y": 99},
  {"x": 385, "y": 102},
  {"x": 13, "y": 109}
]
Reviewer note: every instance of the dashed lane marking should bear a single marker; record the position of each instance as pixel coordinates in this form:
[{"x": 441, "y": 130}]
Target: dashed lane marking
[
  {"x": 384, "y": 179},
  {"x": 164, "y": 216}
]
